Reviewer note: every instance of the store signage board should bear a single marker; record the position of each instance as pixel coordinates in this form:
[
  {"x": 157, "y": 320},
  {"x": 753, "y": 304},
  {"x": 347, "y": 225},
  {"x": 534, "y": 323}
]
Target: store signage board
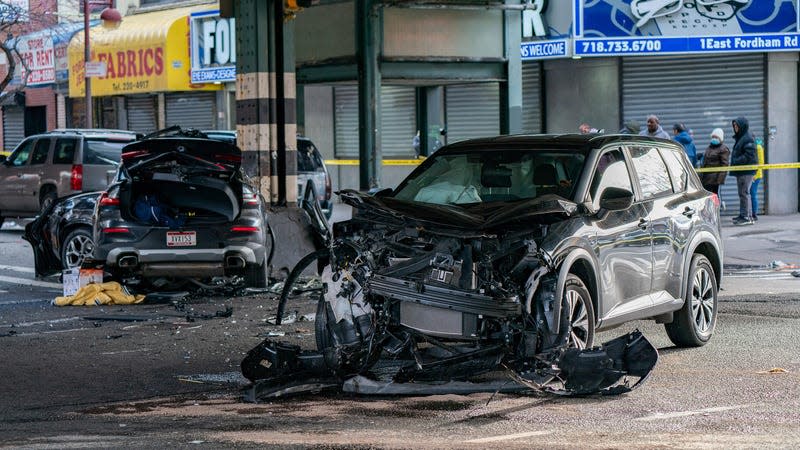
[
  {"x": 655, "y": 27},
  {"x": 535, "y": 50},
  {"x": 213, "y": 47},
  {"x": 36, "y": 50},
  {"x": 96, "y": 69}
]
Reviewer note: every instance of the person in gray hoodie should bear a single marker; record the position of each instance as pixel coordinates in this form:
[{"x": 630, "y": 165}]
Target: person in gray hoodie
[{"x": 653, "y": 128}]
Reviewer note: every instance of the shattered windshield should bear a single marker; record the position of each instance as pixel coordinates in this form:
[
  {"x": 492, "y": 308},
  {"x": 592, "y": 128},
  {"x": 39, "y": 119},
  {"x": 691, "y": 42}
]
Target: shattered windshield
[{"x": 493, "y": 176}]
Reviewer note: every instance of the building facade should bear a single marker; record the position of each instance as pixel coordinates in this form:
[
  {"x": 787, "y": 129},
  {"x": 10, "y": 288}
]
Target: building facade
[{"x": 603, "y": 62}]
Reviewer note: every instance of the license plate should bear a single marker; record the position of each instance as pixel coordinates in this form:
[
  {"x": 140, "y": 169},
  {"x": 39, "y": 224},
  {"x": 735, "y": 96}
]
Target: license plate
[{"x": 181, "y": 238}]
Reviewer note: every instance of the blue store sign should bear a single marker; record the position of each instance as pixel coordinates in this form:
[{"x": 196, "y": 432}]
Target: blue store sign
[
  {"x": 535, "y": 50},
  {"x": 213, "y": 47},
  {"x": 647, "y": 27}
]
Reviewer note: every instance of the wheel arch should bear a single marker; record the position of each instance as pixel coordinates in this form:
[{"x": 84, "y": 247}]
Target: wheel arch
[
  {"x": 578, "y": 262},
  {"x": 705, "y": 246}
]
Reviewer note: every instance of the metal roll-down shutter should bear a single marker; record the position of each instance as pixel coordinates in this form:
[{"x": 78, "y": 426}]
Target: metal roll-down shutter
[
  {"x": 473, "y": 110},
  {"x": 702, "y": 92},
  {"x": 192, "y": 110},
  {"x": 141, "y": 113},
  {"x": 398, "y": 121},
  {"x": 531, "y": 98},
  {"x": 13, "y": 126}
]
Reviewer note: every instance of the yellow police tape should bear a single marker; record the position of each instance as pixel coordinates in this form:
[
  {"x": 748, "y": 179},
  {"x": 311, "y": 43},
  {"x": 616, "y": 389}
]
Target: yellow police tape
[
  {"x": 386, "y": 162},
  {"x": 795, "y": 165}
]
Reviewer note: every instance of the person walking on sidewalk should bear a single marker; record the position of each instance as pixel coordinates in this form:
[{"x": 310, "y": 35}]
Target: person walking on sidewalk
[
  {"x": 743, "y": 154},
  {"x": 757, "y": 178},
  {"x": 717, "y": 155}
]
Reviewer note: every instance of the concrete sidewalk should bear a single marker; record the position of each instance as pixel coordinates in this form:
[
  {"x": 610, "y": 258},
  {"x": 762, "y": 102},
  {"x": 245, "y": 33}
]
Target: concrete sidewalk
[{"x": 760, "y": 258}]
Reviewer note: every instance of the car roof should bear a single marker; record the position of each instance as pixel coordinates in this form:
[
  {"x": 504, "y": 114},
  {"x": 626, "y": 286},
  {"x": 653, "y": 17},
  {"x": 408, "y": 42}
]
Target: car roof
[
  {"x": 583, "y": 142},
  {"x": 96, "y": 132}
]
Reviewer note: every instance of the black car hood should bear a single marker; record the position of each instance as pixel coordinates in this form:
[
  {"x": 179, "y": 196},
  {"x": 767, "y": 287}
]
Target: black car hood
[
  {"x": 480, "y": 216},
  {"x": 208, "y": 153}
]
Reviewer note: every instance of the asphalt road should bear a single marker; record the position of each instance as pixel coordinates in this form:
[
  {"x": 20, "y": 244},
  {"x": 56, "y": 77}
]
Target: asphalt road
[{"x": 73, "y": 379}]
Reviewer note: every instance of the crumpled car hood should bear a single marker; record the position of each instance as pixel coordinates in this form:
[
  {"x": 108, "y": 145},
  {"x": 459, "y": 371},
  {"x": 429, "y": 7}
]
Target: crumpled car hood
[{"x": 484, "y": 216}]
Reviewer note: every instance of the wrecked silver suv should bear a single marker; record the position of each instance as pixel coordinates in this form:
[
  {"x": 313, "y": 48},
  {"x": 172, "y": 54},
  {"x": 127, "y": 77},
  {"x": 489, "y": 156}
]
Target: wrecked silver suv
[{"x": 511, "y": 253}]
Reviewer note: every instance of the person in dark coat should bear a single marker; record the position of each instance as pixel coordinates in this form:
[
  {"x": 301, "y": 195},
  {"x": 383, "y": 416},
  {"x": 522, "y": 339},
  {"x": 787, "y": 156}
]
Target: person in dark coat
[
  {"x": 743, "y": 154},
  {"x": 682, "y": 136},
  {"x": 717, "y": 155}
]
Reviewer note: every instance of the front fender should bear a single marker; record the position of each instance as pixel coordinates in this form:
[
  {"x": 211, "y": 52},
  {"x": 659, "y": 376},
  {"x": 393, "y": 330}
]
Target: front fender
[
  {"x": 573, "y": 255},
  {"x": 703, "y": 237}
]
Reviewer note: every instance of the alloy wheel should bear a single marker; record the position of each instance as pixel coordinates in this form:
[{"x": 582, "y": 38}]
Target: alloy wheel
[
  {"x": 78, "y": 248},
  {"x": 578, "y": 320},
  {"x": 702, "y": 300}
]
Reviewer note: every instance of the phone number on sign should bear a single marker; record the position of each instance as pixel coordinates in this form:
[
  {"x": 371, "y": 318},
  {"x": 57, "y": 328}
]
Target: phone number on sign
[
  {"x": 130, "y": 85},
  {"x": 637, "y": 46}
]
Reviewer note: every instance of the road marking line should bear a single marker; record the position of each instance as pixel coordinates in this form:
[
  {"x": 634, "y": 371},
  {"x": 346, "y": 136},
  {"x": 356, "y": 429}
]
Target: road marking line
[
  {"x": 674, "y": 415},
  {"x": 29, "y": 282},
  {"x": 18, "y": 269},
  {"x": 44, "y": 322},
  {"x": 126, "y": 351},
  {"x": 508, "y": 437}
]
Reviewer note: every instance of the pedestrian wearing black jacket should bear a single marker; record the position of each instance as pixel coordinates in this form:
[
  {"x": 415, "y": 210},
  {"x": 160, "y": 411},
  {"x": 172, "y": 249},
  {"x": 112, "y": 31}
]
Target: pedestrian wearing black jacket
[{"x": 743, "y": 154}]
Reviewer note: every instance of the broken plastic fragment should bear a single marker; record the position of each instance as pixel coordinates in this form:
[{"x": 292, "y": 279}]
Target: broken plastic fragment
[{"x": 774, "y": 370}]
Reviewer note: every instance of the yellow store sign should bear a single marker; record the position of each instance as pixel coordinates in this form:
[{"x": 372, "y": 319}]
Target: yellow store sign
[{"x": 146, "y": 53}]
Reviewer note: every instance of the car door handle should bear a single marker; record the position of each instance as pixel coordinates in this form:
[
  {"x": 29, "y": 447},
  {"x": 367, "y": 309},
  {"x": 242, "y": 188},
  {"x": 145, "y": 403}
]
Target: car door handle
[
  {"x": 643, "y": 223},
  {"x": 688, "y": 212}
]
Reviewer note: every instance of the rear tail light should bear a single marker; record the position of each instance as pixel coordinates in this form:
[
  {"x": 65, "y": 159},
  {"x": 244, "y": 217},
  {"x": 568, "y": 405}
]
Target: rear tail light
[
  {"x": 250, "y": 198},
  {"x": 715, "y": 199},
  {"x": 116, "y": 230},
  {"x": 328, "y": 188},
  {"x": 105, "y": 200},
  {"x": 243, "y": 229},
  {"x": 76, "y": 177}
]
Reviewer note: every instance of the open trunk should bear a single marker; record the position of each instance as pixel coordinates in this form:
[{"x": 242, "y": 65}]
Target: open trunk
[{"x": 180, "y": 183}]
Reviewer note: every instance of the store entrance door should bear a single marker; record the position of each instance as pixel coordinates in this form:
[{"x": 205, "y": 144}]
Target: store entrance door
[{"x": 35, "y": 120}]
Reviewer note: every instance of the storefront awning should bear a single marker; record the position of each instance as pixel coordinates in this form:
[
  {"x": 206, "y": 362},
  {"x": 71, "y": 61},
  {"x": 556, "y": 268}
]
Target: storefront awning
[{"x": 146, "y": 53}]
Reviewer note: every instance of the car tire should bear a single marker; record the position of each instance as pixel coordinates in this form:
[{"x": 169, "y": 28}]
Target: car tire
[
  {"x": 76, "y": 247},
  {"x": 321, "y": 333},
  {"x": 255, "y": 275},
  {"x": 578, "y": 313},
  {"x": 48, "y": 198},
  {"x": 694, "y": 323}
]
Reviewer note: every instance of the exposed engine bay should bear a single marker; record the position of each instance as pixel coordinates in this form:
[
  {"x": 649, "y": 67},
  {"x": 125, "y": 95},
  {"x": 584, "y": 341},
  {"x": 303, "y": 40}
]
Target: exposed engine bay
[{"x": 408, "y": 305}]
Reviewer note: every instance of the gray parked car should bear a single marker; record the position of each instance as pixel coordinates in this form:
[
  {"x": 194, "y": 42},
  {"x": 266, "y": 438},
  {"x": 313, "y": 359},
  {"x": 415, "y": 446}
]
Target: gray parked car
[
  {"x": 180, "y": 208},
  {"x": 47, "y": 166}
]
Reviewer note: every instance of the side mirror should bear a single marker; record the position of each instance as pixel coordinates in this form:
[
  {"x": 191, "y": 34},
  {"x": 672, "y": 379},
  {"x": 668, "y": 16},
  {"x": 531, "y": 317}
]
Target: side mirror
[{"x": 616, "y": 199}]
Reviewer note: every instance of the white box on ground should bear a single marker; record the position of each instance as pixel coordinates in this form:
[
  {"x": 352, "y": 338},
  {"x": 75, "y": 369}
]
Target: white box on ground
[
  {"x": 70, "y": 280},
  {"x": 74, "y": 279}
]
